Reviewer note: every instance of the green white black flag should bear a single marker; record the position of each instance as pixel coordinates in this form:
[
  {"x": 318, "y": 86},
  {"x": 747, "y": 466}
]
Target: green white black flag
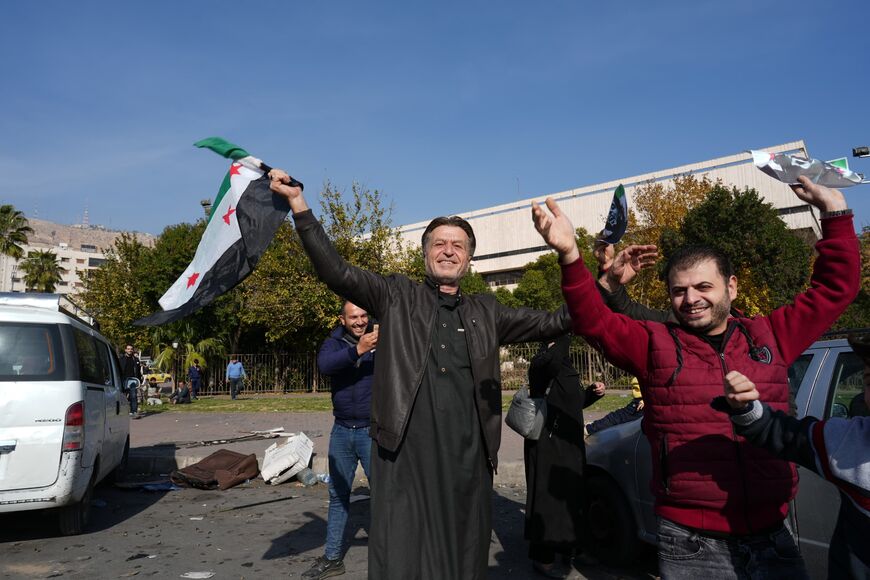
[{"x": 242, "y": 223}]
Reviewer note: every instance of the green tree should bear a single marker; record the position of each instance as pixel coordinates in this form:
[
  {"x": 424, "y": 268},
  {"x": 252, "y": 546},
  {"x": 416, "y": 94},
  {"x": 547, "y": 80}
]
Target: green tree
[
  {"x": 540, "y": 285},
  {"x": 191, "y": 346},
  {"x": 858, "y": 313},
  {"x": 113, "y": 293},
  {"x": 771, "y": 262},
  {"x": 41, "y": 271},
  {"x": 473, "y": 283},
  {"x": 14, "y": 229},
  {"x": 285, "y": 299}
]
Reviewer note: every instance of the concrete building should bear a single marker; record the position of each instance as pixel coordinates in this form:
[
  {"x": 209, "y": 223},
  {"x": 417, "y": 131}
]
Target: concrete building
[
  {"x": 507, "y": 240},
  {"x": 78, "y": 249}
]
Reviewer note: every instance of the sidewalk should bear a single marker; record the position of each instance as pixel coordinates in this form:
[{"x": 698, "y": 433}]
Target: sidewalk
[{"x": 157, "y": 441}]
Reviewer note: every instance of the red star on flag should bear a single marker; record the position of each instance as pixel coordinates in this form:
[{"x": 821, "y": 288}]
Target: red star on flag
[
  {"x": 192, "y": 279},
  {"x": 234, "y": 169},
  {"x": 230, "y": 212}
]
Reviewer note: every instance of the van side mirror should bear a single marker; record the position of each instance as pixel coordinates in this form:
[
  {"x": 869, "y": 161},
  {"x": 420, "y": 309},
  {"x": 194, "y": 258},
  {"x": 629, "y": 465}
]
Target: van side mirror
[
  {"x": 131, "y": 383},
  {"x": 838, "y": 410}
]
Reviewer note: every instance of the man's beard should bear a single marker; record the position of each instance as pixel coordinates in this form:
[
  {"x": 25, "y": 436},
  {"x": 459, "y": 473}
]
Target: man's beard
[{"x": 718, "y": 314}]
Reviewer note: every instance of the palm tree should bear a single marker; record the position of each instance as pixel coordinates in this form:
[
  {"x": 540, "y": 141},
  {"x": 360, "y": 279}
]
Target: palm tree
[
  {"x": 13, "y": 231},
  {"x": 41, "y": 271},
  {"x": 184, "y": 334}
]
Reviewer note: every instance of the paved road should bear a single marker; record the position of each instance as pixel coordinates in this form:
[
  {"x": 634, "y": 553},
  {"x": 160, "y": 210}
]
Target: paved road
[{"x": 251, "y": 531}]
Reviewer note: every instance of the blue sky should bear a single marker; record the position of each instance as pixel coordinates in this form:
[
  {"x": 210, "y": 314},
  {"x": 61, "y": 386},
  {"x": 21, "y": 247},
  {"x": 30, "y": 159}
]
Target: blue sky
[{"x": 444, "y": 107}]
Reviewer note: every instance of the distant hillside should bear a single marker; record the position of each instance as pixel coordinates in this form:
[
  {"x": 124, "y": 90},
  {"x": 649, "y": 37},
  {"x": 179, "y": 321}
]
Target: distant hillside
[{"x": 50, "y": 234}]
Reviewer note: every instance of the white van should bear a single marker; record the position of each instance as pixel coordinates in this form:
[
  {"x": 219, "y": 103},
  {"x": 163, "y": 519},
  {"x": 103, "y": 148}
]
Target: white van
[{"x": 64, "y": 415}]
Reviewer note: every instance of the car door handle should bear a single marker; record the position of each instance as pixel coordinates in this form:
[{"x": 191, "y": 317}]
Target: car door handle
[{"x": 8, "y": 446}]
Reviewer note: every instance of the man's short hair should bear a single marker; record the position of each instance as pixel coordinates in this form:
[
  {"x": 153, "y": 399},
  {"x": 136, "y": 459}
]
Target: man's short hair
[
  {"x": 688, "y": 256},
  {"x": 455, "y": 221}
]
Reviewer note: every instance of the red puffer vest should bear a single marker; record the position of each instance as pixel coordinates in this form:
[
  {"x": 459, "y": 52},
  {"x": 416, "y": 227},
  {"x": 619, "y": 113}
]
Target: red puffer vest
[{"x": 705, "y": 476}]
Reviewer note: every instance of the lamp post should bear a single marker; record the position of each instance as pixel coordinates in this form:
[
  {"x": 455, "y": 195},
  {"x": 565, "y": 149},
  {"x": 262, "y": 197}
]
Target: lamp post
[{"x": 174, "y": 365}]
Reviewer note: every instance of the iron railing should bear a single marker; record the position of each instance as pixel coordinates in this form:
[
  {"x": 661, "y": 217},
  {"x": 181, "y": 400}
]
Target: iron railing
[{"x": 297, "y": 372}]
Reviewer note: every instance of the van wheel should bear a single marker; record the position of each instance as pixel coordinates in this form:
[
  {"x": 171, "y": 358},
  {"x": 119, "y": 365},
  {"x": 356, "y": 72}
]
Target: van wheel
[
  {"x": 610, "y": 525},
  {"x": 120, "y": 472},
  {"x": 73, "y": 519}
]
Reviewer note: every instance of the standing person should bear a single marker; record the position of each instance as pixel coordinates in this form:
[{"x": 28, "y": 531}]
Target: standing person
[
  {"x": 194, "y": 375},
  {"x": 436, "y": 411},
  {"x": 131, "y": 368},
  {"x": 347, "y": 357},
  {"x": 837, "y": 449},
  {"x": 235, "y": 374},
  {"x": 555, "y": 461},
  {"x": 721, "y": 501}
]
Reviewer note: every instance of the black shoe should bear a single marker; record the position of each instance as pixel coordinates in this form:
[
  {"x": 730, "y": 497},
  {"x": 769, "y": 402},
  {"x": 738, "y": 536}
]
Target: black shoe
[{"x": 324, "y": 568}]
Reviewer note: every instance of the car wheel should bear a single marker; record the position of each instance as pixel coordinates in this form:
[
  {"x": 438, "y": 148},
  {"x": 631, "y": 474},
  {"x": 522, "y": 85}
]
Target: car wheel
[
  {"x": 119, "y": 472},
  {"x": 610, "y": 525},
  {"x": 73, "y": 519}
]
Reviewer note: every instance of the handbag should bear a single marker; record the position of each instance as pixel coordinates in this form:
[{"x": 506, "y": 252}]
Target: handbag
[{"x": 527, "y": 414}]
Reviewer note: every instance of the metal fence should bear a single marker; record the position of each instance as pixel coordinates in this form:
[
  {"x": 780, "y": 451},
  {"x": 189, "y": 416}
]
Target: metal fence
[{"x": 297, "y": 372}]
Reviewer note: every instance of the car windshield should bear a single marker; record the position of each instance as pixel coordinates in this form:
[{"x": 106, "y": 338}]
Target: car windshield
[{"x": 30, "y": 352}]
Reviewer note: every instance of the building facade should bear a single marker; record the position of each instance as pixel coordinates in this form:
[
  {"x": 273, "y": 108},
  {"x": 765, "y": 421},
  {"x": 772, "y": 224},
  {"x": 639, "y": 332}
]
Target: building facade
[
  {"x": 507, "y": 240},
  {"x": 78, "y": 249}
]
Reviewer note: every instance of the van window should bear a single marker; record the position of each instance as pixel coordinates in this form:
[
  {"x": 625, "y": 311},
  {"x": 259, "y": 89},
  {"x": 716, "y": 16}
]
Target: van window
[
  {"x": 30, "y": 352},
  {"x": 93, "y": 359}
]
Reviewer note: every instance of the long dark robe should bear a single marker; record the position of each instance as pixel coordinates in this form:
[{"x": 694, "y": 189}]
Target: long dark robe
[
  {"x": 431, "y": 513},
  {"x": 554, "y": 463}
]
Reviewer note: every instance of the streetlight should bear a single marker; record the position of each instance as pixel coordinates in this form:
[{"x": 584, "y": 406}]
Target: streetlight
[{"x": 861, "y": 152}]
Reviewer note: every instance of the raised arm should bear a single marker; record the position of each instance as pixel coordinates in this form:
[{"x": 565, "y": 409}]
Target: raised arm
[
  {"x": 622, "y": 340},
  {"x": 835, "y": 281},
  {"x": 366, "y": 289}
]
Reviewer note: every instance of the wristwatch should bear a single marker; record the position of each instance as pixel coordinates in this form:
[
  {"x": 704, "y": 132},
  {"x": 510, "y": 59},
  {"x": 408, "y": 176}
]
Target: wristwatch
[{"x": 835, "y": 213}]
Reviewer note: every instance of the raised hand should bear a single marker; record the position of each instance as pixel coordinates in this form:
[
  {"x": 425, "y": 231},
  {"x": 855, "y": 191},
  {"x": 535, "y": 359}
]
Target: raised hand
[
  {"x": 557, "y": 230},
  {"x": 627, "y": 264},
  {"x": 739, "y": 390},
  {"x": 280, "y": 181},
  {"x": 368, "y": 341},
  {"x": 598, "y": 388},
  {"x": 824, "y": 198}
]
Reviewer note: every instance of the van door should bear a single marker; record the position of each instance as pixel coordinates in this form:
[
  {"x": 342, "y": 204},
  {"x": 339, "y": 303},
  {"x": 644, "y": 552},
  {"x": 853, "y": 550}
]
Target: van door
[
  {"x": 96, "y": 376},
  {"x": 117, "y": 408},
  {"x": 34, "y": 397}
]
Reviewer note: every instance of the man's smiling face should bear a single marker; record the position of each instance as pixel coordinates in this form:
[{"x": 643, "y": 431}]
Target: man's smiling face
[
  {"x": 701, "y": 297},
  {"x": 447, "y": 255}
]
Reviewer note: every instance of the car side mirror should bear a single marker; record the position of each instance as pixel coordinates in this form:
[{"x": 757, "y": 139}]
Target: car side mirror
[
  {"x": 131, "y": 383},
  {"x": 838, "y": 410}
]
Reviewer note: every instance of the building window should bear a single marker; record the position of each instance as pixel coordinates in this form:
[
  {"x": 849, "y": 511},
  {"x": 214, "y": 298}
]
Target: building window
[
  {"x": 80, "y": 260},
  {"x": 64, "y": 260},
  {"x": 96, "y": 262},
  {"x": 89, "y": 248}
]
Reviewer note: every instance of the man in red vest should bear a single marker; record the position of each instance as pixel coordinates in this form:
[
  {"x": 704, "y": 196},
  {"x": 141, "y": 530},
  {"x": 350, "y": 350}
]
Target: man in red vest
[{"x": 721, "y": 501}]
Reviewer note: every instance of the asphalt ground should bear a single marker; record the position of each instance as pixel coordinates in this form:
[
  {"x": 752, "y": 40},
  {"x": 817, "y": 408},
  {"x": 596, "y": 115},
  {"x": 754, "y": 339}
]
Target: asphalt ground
[{"x": 253, "y": 530}]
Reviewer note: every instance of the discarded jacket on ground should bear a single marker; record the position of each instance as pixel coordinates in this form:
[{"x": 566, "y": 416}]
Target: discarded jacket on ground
[{"x": 222, "y": 469}]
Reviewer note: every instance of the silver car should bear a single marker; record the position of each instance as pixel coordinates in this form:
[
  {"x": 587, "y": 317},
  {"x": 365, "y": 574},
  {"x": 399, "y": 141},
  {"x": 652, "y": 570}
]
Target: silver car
[{"x": 828, "y": 382}]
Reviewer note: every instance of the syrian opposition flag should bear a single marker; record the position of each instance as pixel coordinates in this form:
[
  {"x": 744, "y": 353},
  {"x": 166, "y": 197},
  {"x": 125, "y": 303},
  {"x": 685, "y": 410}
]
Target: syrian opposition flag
[
  {"x": 242, "y": 223},
  {"x": 617, "y": 217},
  {"x": 787, "y": 169}
]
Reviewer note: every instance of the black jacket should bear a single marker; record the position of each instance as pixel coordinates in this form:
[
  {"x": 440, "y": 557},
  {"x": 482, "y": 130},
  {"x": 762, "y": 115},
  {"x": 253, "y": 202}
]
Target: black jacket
[
  {"x": 406, "y": 311},
  {"x": 350, "y": 378}
]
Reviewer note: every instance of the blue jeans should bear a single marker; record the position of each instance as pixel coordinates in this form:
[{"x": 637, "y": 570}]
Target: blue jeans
[
  {"x": 689, "y": 554},
  {"x": 235, "y": 387},
  {"x": 346, "y": 447}
]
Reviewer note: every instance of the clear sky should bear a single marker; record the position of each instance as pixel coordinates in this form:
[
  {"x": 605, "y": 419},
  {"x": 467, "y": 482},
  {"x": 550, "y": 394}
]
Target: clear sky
[{"x": 443, "y": 106}]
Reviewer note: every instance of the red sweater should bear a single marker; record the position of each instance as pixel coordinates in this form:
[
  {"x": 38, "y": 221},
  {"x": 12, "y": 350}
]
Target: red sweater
[{"x": 705, "y": 477}]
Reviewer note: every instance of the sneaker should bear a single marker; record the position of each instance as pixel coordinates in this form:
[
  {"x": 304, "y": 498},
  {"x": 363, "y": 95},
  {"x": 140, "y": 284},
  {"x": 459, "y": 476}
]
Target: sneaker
[{"x": 324, "y": 568}]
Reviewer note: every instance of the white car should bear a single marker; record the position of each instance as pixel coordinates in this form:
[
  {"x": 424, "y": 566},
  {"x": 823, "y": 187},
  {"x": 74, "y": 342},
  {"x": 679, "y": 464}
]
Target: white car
[{"x": 64, "y": 415}]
